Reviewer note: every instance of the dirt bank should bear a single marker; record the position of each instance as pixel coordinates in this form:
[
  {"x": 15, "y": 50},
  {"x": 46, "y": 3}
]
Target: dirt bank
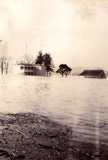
[{"x": 34, "y": 137}]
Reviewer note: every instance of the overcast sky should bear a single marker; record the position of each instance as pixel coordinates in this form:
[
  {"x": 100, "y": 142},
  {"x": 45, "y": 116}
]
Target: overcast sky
[{"x": 73, "y": 31}]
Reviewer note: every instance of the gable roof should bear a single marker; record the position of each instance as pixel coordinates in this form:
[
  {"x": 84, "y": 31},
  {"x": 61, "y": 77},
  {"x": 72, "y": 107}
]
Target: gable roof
[{"x": 96, "y": 73}]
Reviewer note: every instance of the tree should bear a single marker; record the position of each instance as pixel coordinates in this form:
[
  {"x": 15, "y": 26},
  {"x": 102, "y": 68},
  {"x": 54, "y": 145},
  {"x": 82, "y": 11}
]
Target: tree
[
  {"x": 64, "y": 69},
  {"x": 47, "y": 61},
  {"x": 39, "y": 59},
  {"x": 4, "y": 64}
]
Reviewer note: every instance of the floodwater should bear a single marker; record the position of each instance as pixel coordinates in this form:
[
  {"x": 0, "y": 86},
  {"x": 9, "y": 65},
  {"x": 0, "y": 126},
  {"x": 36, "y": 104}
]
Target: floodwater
[{"x": 78, "y": 102}]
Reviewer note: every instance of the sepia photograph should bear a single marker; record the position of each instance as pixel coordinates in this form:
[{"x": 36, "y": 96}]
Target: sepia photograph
[{"x": 53, "y": 79}]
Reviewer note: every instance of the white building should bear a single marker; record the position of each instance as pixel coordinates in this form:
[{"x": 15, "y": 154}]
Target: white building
[{"x": 33, "y": 69}]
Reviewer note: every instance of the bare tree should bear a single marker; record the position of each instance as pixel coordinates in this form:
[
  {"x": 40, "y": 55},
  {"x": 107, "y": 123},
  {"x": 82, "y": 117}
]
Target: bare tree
[
  {"x": 4, "y": 64},
  {"x": 27, "y": 59}
]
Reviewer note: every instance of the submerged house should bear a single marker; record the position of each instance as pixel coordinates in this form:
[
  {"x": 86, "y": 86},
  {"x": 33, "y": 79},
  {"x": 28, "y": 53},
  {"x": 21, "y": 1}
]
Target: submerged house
[
  {"x": 94, "y": 73},
  {"x": 33, "y": 69}
]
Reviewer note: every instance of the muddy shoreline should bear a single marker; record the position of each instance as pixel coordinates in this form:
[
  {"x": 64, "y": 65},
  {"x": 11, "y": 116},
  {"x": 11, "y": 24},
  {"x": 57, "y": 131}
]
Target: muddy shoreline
[{"x": 31, "y": 136}]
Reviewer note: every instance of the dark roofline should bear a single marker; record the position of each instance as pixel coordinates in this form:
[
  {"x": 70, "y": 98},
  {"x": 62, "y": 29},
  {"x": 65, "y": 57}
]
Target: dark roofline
[{"x": 96, "y": 73}]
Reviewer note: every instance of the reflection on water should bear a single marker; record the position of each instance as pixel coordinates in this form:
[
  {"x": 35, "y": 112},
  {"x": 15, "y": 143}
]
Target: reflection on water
[{"x": 78, "y": 102}]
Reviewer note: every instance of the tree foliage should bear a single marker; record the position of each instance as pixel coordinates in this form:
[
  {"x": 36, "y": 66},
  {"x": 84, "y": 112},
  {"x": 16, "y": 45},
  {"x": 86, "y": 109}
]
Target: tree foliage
[
  {"x": 39, "y": 59},
  {"x": 64, "y": 69},
  {"x": 46, "y": 60}
]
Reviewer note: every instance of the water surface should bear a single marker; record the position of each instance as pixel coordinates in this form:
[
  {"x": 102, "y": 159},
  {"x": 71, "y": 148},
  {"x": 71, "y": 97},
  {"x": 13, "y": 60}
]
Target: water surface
[{"x": 78, "y": 102}]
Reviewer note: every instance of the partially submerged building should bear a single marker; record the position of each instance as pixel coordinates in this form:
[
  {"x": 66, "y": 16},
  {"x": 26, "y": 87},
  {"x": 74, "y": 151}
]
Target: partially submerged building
[
  {"x": 33, "y": 69},
  {"x": 94, "y": 73}
]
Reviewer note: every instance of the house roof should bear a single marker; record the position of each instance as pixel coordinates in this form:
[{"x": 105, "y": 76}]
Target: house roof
[{"x": 98, "y": 72}]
